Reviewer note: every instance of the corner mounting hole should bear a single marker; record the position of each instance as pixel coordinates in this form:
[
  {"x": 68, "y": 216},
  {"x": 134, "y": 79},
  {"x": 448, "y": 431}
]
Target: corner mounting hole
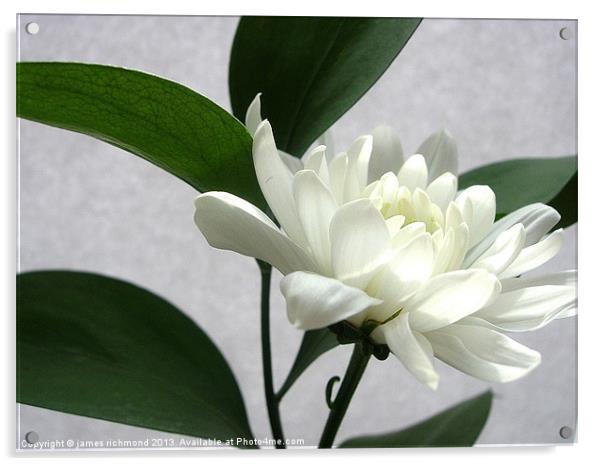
[
  {"x": 32, "y": 437},
  {"x": 566, "y": 34},
  {"x": 566, "y": 432},
  {"x": 32, "y": 28}
]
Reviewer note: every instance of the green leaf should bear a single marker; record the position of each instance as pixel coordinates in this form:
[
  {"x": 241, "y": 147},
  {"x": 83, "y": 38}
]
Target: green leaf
[
  {"x": 100, "y": 347},
  {"x": 314, "y": 344},
  {"x": 310, "y": 71},
  {"x": 519, "y": 182},
  {"x": 161, "y": 121},
  {"x": 458, "y": 426},
  {"x": 565, "y": 202}
]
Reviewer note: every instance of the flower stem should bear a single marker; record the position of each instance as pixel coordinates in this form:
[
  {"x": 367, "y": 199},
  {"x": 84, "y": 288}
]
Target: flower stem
[
  {"x": 266, "y": 353},
  {"x": 355, "y": 370}
]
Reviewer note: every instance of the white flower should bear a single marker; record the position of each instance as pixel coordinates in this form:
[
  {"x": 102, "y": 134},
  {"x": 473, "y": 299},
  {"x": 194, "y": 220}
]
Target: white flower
[{"x": 407, "y": 254}]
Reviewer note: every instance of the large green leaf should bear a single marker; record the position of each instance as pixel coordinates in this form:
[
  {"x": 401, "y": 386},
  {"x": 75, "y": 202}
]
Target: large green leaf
[
  {"x": 159, "y": 120},
  {"x": 314, "y": 344},
  {"x": 520, "y": 182},
  {"x": 310, "y": 71},
  {"x": 458, "y": 426},
  {"x": 565, "y": 202},
  {"x": 100, "y": 347}
]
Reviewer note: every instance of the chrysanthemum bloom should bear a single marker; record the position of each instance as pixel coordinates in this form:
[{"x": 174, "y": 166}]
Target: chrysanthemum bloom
[{"x": 370, "y": 239}]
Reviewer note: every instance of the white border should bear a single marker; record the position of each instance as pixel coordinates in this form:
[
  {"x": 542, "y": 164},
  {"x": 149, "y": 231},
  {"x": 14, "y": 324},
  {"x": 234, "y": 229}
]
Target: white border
[{"x": 589, "y": 230}]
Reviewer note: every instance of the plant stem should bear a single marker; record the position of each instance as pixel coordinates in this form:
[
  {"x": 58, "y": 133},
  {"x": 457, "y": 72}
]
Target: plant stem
[
  {"x": 266, "y": 353},
  {"x": 355, "y": 370}
]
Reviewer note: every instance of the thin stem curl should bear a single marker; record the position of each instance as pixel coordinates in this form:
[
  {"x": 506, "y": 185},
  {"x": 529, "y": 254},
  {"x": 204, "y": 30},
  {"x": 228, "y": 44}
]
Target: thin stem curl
[{"x": 357, "y": 365}]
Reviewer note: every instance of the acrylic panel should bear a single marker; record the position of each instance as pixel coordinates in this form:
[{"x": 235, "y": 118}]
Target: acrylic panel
[{"x": 504, "y": 88}]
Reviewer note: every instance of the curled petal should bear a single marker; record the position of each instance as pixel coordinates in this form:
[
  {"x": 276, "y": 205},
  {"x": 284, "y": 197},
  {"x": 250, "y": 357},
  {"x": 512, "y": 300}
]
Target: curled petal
[
  {"x": 231, "y": 223},
  {"x": 314, "y": 301},
  {"x": 327, "y": 139},
  {"x": 503, "y": 251},
  {"x": 483, "y": 353},
  {"x": 253, "y": 115},
  {"x": 276, "y": 182},
  {"x": 448, "y": 297},
  {"x": 564, "y": 278},
  {"x": 411, "y": 348},
  {"x": 477, "y": 204},
  {"x": 533, "y": 256},
  {"x": 537, "y": 219},
  {"x": 530, "y": 308}
]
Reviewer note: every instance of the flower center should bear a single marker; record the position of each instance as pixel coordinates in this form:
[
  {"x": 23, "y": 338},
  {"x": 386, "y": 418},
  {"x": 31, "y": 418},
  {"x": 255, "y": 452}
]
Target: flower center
[{"x": 414, "y": 205}]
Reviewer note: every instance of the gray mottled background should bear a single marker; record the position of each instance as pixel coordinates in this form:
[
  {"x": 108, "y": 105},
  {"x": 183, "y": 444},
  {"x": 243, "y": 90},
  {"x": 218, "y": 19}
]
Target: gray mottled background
[{"x": 504, "y": 88}]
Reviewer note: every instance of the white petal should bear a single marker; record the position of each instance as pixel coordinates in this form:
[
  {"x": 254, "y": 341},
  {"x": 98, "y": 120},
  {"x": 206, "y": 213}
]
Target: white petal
[
  {"x": 338, "y": 173},
  {"x": 253, "y": 115},
  {"x": 231, "y": 223},
  {"x": 422, "y": 204},
  {"x": 537, "y": 219},
  {"x": 445, "y": 251},
  {"x": 401, "y": 276},
  {"x": 441, "y": 154},
  {"x": 564, "y": 278},
  {"x": 327, "y": 140},
  {"x": 293, "y": 163},
  {"x": 453, "y": 216},
  {"x": 530, "y": 308},
  {"x": 477, "y": 204},
  {"x": 438, "y": 238},
  {"x": 276, "y": 182},
  {"x": 359, "y": 157},
  {"x": 316, "y": 206},
  {"x": 483, "y": 353},
  {"x": 387, "y": 154},
  {"x": 443, "y": 190},
  {"x": 451, "y": 251},
  {"x": 388, "y": 287},
  {"x": 570, "y": 310},
  {"x": 394, "y": 224},
  {"x": 503, "y": 251},
  {"x": 414, "y": 262},
  {"x": 448, "y": 297},
  {"x": 411, "y": 348},
  {"x": 316, "y": 161},
  {"x": 314, "y": 301},
  {"x": 356, "y": 178},
  {"x": 360, "y": 242},
  {"x": 535, "y": 255},
  {"x": 539, "y": 223},
  {"x": 374, "y": 189},
  {"x": 461, "y": 237},
  {"x": 407, "y": 234},
  {"x": 389, "y": 186},
  {"x": 413, "y": 173}
]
